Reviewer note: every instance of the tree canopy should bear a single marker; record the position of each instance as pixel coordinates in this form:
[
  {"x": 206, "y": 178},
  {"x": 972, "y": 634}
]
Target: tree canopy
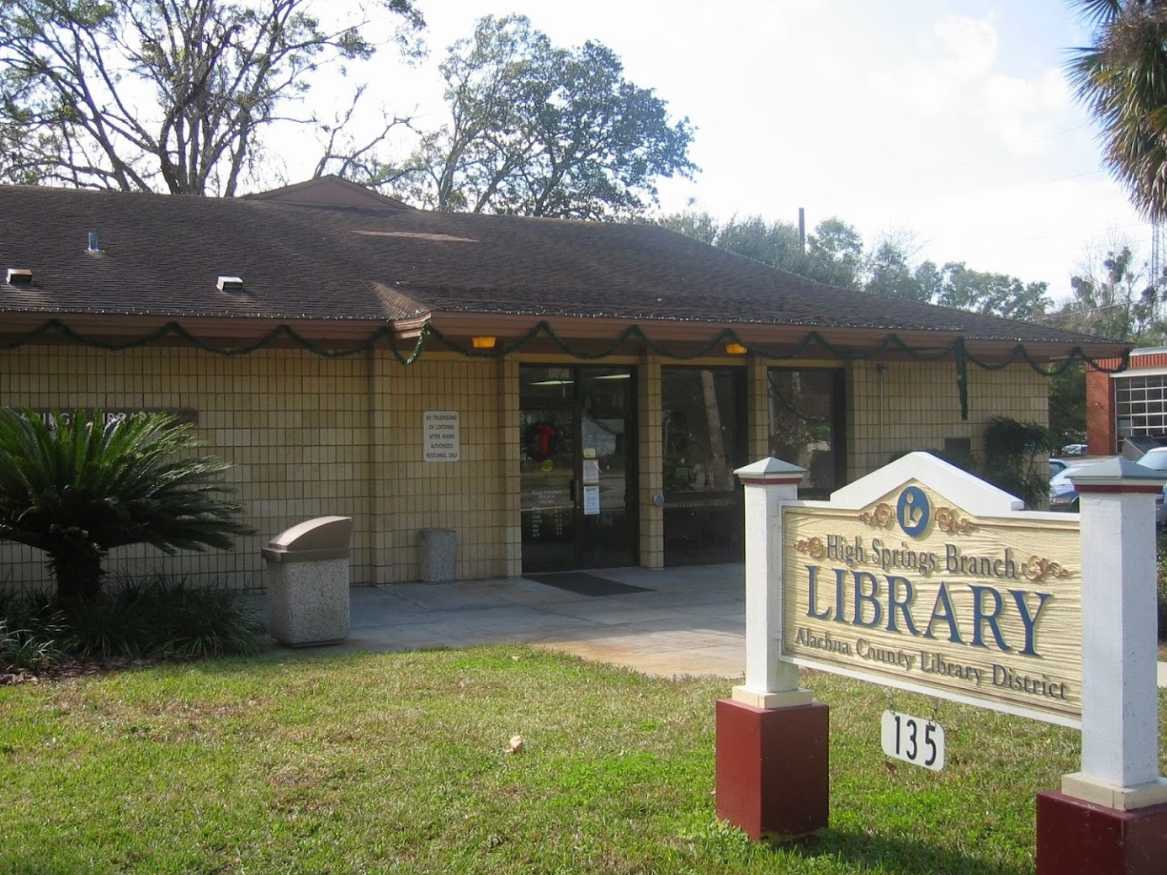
[
  {"x": 539, "y": 130},
  {"x": 171, "y": 95},
  {"x": 835, "y": 255}
]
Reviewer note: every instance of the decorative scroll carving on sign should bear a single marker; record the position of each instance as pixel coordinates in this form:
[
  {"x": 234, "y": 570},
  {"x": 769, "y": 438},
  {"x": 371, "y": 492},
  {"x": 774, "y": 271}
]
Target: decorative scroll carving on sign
[
  {"x": 880, "y": 517},
  {"x": 1039, "y": 568},
  {"x": 949, "y": 520},
  {"x": 812, "y": 547}
]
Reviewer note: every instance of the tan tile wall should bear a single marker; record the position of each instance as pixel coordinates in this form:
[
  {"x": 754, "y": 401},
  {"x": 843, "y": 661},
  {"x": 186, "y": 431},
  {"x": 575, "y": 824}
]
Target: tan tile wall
[
  {"x": 650, "y": 471},
  {"x": 905, "y": 406},
  {"x": 296, "y": 430},
  {"x": 758, "y": 415}
]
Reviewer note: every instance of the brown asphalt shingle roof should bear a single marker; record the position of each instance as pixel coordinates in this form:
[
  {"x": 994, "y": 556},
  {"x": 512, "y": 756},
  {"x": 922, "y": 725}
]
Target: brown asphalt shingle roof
[{"x": 162, "y": 254}]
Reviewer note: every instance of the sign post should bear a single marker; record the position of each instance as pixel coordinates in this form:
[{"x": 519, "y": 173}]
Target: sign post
[
  {"x": 1112, "y": 815},
  {"x": 772, "y": 738}
]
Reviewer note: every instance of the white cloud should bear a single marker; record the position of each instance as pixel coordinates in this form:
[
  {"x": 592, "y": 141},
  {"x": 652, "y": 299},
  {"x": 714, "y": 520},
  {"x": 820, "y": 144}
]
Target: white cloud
[{"x": 969, "y": 46}]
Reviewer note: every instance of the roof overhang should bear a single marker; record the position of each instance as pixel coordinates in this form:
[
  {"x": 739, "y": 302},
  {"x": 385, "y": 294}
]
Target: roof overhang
[{"x": 588, "y": 333}]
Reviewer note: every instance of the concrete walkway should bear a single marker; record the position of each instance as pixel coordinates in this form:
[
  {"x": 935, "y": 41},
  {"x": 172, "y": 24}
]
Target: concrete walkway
[{"x": 690, "y": 621}]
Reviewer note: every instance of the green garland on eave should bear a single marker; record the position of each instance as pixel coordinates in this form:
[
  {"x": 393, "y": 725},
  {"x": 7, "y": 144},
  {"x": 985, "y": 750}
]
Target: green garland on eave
[{"x": 812, "y": 340}]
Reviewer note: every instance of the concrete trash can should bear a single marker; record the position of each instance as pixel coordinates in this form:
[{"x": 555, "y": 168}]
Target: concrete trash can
[
  {"x": 307, "y": 579},
  {"x": 439, "y": 555}
]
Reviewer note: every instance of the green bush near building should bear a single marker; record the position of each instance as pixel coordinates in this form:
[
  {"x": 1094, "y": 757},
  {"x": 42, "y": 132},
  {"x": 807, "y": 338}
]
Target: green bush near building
[
  {"x": 136, "y": 618},
  {"x": 294, "y": 762}
]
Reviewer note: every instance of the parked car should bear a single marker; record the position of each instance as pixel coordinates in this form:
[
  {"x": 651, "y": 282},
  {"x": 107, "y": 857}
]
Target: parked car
[
  {"x": 1156, "y": 460},
  {"x": 1074, "y": 450},
  {"x": 1057, "y": 466},
  {"x": 1062, "y": 494}
]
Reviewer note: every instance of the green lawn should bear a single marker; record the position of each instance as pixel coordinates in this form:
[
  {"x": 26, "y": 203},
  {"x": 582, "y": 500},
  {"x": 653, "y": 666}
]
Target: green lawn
[{"x": 397, "y": 762}]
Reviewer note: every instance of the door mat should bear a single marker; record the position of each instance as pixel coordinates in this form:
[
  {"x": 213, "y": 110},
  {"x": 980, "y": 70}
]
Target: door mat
[{"x": 582, "y": 583}]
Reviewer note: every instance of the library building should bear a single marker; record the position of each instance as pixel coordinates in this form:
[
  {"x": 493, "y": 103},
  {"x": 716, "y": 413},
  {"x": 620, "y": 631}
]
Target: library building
[{"x": 559, "y": 394}]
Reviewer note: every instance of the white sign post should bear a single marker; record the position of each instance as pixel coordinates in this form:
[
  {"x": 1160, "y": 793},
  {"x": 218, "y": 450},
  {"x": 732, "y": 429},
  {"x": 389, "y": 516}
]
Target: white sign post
[
  {"x": 772, "y": 738},
  {"x": 1112, "y": 815}
]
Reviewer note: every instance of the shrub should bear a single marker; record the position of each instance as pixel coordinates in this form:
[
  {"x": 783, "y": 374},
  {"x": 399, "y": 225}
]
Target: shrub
[
  {"x": 155, "y": 618},
  {"x": 76, "y": 486},
  {"x": 1015, "y": 458}
]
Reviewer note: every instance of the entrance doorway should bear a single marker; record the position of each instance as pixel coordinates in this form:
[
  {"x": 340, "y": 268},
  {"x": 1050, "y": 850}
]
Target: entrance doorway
[{"x": 578, "y": 450}]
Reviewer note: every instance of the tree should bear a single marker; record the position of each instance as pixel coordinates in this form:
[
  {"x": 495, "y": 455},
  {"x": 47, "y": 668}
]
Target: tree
[
  {"x": 773, "y": 243},
  {"x": 1122, "y": 78},
  {"x": 1111, "y": 299},
  {"x": 889, "y": 274},
  {"x": 140, "y": 95},
  {"x": 538, "y": 130},
  {"x": 833, "y": 255},
  {"x": 78, "y": 486},
  {"x": 992, "y": 294},
  {"x": 836, "y": 253},
  {"x": 698, "y": 225}
]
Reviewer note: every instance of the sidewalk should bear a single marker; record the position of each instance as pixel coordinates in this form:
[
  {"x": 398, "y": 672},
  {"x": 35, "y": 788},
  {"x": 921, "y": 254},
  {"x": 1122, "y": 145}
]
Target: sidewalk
[{"x": 687, "y": 621}]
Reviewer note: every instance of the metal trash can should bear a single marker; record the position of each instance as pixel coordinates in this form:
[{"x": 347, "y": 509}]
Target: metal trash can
[
  {"x": 307, "y": 579},
  {"x": 439, "y": 555}
]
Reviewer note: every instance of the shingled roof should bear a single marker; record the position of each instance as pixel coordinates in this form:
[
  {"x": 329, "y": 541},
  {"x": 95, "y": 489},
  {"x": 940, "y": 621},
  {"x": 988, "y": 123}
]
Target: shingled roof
[{"x": 372, "y": 258}]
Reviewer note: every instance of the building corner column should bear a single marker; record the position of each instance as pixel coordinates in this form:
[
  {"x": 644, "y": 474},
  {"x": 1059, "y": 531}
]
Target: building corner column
[
  {"x": 650, "y": 467},
  {"x": 758, "y": 416},
  {"x": 510, "y": 487}
]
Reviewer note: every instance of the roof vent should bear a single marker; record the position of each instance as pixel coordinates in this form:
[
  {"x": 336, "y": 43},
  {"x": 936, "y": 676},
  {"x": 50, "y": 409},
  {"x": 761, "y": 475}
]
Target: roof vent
[
  {"x": 19, "y": 276},
  {"x": 94, "y": 247},
  {"x": 230, "y": 284}
]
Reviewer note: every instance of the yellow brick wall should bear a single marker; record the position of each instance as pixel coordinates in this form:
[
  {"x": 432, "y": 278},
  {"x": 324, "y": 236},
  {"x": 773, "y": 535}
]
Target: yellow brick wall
[
  {"x": 310, "y": 436},
  {"x": 903, "y": 406},
  {"x": 296, "y": 430},
  {"x": 650, "y": 472}
]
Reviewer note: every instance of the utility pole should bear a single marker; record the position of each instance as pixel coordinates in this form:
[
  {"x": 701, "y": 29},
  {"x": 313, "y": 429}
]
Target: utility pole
[{"x": 802, "y": 229}]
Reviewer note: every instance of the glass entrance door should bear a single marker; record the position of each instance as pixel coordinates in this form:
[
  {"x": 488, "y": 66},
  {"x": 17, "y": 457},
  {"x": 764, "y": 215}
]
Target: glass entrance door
[{"x": 578, "y": 467}]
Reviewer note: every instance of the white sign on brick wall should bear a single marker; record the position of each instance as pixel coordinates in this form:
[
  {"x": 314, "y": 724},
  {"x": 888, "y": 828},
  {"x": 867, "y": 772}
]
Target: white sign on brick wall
[{"x": 440, "y": 441}]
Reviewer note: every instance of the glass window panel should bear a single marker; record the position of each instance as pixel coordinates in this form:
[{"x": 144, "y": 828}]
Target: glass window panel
[
  {"x": 703, "y": 428},
  {"x": 805, "y": 425}
]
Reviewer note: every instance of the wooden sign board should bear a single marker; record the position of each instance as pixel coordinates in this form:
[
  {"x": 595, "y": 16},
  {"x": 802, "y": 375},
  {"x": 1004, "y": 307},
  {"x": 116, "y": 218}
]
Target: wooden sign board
[{"x": 912, "y": 590}]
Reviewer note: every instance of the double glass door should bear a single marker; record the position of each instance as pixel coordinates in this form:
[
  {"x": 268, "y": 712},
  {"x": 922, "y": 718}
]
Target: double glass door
[{"x": 577, "y": 432}]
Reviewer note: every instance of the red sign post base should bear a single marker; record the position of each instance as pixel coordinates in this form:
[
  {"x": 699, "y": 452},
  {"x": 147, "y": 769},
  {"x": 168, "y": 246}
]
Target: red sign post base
[
  {"x": 772, "y": 768},
  {"x": 1077, "y": 838}
]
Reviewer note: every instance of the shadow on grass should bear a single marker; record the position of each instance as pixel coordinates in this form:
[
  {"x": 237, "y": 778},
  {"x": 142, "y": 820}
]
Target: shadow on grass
[{"x": 892, "y": 854}]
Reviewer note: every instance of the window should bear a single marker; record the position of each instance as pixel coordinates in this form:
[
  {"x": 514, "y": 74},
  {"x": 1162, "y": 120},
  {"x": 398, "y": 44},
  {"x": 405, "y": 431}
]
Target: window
[
  {"x": 1141, "y": 406},
  {"x": 704, "y": 440},
  {"x": 806, "y": 424}
]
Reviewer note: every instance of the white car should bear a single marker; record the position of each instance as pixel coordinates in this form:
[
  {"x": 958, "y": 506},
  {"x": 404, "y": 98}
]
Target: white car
[
  {"x": 1156, "y": 460},
  {"x": 1062, "y": 494}
]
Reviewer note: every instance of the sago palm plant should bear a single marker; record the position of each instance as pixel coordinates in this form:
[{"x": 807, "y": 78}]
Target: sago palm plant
[{"x": 77, "y": 486}]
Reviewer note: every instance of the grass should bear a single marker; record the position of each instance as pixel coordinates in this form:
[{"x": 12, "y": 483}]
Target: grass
[{"x": 397, "y": 762}]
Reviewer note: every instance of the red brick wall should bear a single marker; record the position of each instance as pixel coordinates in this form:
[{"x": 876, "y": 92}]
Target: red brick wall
[
  {"x": 1101, "y": 437},
  {"x": 1100, "y": 428}
]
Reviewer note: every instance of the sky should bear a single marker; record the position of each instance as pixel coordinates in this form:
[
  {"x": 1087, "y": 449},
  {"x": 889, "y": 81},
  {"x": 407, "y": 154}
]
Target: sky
[{"x": 949, "y": 121}]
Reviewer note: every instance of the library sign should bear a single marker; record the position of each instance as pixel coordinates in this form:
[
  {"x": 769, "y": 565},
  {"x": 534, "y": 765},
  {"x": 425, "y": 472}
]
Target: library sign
[
  {"x": 921, "y": 577},
  {"x": 913, "y": 591}
]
